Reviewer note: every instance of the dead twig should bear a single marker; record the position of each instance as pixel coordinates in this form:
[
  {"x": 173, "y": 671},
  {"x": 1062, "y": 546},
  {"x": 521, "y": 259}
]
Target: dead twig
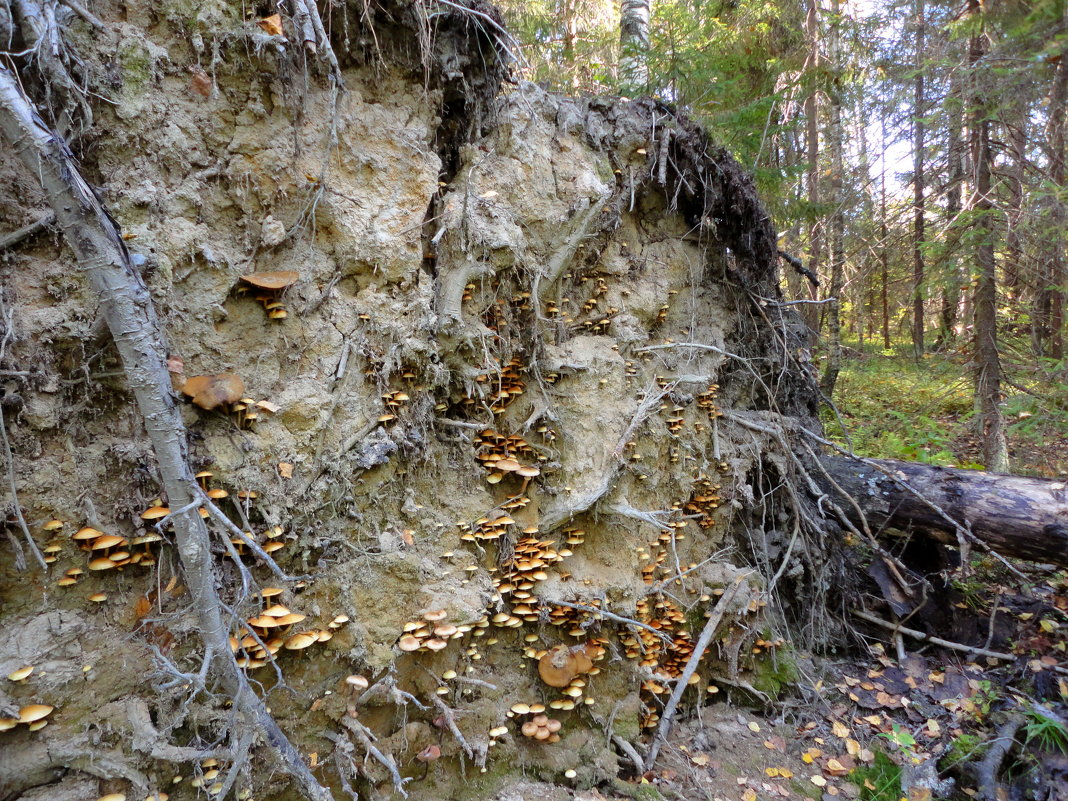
[
  {"x": 15, "y": 496},
  {"x": 953, "y": 646},
  {"x": 10, "y": 240},
  {"x": 683, "y": 681},
  {"x": 366, "y": 738}
]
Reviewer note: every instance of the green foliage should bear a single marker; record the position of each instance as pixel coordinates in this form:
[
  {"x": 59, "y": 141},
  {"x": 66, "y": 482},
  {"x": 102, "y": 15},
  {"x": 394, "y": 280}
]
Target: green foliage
[
  {"x": 965, "y": 748},
  {"x": 879, "y": 781},
  {"x": 1044, "y": 732},
  {"x": 898, "y": 408}
]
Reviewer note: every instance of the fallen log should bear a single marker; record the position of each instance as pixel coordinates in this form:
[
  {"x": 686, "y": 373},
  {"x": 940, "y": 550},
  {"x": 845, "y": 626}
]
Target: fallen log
[{"x": 1025, "y": 518}]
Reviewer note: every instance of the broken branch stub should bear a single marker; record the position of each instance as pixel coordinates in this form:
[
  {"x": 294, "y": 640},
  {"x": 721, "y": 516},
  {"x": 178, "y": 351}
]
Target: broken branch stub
[{"x": 94, "y": 237}]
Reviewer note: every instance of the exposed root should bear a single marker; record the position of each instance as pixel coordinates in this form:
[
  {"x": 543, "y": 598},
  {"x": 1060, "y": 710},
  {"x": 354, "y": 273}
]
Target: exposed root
[
  {"x": 366, "y": 738},
  {"x": 450, "y": 722},
  {"x": 9, "y": 241},
  {"x": 127, "y": 309},
  {"x": 683, "y": 680}
]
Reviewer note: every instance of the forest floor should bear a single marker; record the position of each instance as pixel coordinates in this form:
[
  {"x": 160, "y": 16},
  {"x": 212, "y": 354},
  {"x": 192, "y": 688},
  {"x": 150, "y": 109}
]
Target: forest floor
[{"x": 897, "y": 407}]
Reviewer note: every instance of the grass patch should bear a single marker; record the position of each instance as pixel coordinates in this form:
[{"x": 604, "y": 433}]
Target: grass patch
[
  {"x": 879, "y": 781},
  {"x": 897, "y": 407}
]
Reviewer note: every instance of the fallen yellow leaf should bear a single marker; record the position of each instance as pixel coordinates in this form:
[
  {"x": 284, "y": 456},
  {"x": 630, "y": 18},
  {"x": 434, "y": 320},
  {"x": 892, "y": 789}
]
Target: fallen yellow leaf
[
  {"x": 271, "y": 25},
  {"x": 285, "y": 469},
  {"x": 840, "y": 729},
  {"x": 819, "y": 781}
]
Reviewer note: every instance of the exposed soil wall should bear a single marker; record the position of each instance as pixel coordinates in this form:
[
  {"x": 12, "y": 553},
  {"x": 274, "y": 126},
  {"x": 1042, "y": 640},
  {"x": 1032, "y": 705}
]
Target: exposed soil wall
[{"x": 484, "y": 280}]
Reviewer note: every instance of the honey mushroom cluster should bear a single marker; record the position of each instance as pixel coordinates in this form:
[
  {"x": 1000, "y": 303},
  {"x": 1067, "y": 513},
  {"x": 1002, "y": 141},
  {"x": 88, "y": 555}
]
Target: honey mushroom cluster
[
  {"x": 487, "y": 528},
  {"x": 707, "y": 401},
  {"x": 226, "y": 391},
  {"x": 33, "y": 716},
  {"x": 431, "y": 632},
  {"x": 209, "y": 772},
  {"x": 542, "y": 728},
  {"x": 393, "y": 401},
  {"x": 521, "y": 572},
  {"x": 502, "y": 387},
  {"x": 500, "y": 455},
  {"x": 703, "y": 502},
  {"x": 55, "y": 545},
  {"x": 272, "y": 627},
  {"x": 564, "y": 667},
  {"x": 267, "y": 288}
]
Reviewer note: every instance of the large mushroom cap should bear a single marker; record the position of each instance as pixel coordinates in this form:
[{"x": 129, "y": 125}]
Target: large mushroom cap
[
  {"x": 557, "y": 667},
  {"x": 273, "y": 281},
  {"x": 34, "y": 712},
  {"x": 211, "y": 391}
]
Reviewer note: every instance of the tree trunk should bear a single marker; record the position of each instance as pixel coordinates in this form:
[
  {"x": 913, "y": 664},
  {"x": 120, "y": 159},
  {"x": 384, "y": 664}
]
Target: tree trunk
[
  {"x": 1026, "y": 518},
  {"x": 837, "y": 241},
  {"x": 634, "y": 43},
  {"x": 884, "y": 247},
  {"x": 812, "y": 145},
  {"x": 918, "y": 134},
  {"x": 127, "y": 308},
  {"x": 1049, "y": 305},
  {"x": 987, "y": 358},
  {"x": 952, "y": 282}
]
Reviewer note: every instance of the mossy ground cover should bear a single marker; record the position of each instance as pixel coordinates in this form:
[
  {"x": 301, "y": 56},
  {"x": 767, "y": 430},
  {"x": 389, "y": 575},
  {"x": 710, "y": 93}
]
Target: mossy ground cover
[{"x": 895, "y": 406}]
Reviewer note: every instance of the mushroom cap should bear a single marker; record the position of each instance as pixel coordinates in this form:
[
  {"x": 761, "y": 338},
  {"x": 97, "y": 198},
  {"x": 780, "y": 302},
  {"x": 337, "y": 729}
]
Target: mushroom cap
[
  {"x": 21, "y": 673},
  {"x": 506, "y": 465},
  {"x": 435, "y": 615},
  {"x": 529, "y": 729},
  {"x": 211, "y": 391},
  {"x": 557, "y": 666},
  {"x": 108, "y": 541},
  {"x": 300, "y": 641},
  {"x": 53, "y": 525},
  {"x": 272, "y": 281},
  {"x": 276, "y": 611},
  {"x": 86, "y": 533},
  {"x": 270, "y": 592},
  {"x": 408, "y": 643},
  {"x": 429, "y": 754},
  {"x": 6, "y": 724},
  {"x": 436, "y": 644},
  {"x": 528, "y": 472},
  {"x": 98, "y": 597},
  {"x": 155, "y": 513},
  {"x": 359, "y": 682},
  {"x": 217, "y": 494},
  {"x": 542, "y": 734},
  {"x": 34, "y": 712},
  {"x": 113, "y": 797},
  {"x": 101, "y": 563},
  {"x": 290, "y": 619},
  {"x": 553, "y": 726}
]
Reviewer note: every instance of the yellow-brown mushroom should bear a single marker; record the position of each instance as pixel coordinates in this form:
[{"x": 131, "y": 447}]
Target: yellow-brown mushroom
[{"x": 212, "y": 391}]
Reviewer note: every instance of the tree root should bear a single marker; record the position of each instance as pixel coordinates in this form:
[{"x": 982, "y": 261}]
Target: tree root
[
  {"x": 9, "y": 241},
  {"x": 127, "y": 308},
  {"x": 682, "y": 682},
  {"x": 998, "y": 749},
  {"x": 450, "y": 722},
  {"x": 366, "y": 738}
]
